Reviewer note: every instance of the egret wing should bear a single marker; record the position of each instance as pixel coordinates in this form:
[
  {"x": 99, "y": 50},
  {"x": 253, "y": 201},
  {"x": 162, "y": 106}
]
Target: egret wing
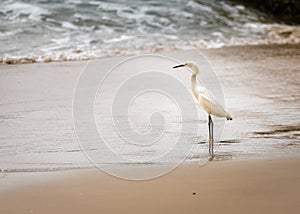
[{"x": 210, "y": 105}]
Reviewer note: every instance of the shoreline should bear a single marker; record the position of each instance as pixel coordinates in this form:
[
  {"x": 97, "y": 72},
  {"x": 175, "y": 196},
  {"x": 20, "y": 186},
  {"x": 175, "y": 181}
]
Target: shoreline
[
  {"x": 7, "y": 172},
  {"x": 32, "y": 60}
]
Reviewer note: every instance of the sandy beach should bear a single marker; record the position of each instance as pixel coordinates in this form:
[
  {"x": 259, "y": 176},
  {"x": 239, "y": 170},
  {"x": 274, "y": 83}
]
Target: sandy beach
[
  {"x": 186, "y": 106},
  {"x": 257, "y": 160},
  {"x": 261, "y": 186}
]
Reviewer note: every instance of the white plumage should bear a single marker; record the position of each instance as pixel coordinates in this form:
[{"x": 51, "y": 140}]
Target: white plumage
[{"x": 207, "y": 102}]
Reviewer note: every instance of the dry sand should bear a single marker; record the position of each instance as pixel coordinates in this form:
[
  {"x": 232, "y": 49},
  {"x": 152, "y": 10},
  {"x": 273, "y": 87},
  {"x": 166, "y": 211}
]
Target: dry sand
[{"x": 256, "y": 186}]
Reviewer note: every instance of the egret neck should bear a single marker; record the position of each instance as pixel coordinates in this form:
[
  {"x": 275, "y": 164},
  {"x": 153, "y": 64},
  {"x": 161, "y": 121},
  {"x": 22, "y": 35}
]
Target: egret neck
[{"x": 194, "y": 81}]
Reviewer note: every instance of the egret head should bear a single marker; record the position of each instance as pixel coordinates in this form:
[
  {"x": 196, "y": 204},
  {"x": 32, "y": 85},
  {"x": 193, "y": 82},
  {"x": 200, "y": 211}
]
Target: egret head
[{"x": 190, "y": 65}]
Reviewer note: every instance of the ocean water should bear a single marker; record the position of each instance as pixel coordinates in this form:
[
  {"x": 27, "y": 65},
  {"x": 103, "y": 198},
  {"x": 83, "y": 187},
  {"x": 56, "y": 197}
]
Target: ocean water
[{"x": 46, "y": 30}]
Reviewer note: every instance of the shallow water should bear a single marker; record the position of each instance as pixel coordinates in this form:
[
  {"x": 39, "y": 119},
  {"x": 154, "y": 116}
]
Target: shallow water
[
  {"x": 36, "y": 118},
  {"x": 45, "y": 30}
]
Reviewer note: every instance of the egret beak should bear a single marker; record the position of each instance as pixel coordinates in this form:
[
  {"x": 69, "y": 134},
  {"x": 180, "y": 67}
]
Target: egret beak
[{"x": 178, "y": 66}]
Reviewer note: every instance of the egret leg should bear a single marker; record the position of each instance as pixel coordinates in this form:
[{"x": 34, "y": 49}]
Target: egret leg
[
  {"x": 209, "y": 134},
  {"x": 212, "y": 137},
  {"x": 211, "y": 140}
]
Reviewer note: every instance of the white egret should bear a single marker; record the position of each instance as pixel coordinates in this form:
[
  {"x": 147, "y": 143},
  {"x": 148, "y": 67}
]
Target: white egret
[{"x": 210, "y": 105}]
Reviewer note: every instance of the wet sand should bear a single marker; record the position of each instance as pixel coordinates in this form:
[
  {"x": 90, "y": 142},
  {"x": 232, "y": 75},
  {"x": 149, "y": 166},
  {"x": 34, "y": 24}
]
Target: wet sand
[
  {"x": 260, "y": 84},
  {"x": 256, "y": 186}
]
